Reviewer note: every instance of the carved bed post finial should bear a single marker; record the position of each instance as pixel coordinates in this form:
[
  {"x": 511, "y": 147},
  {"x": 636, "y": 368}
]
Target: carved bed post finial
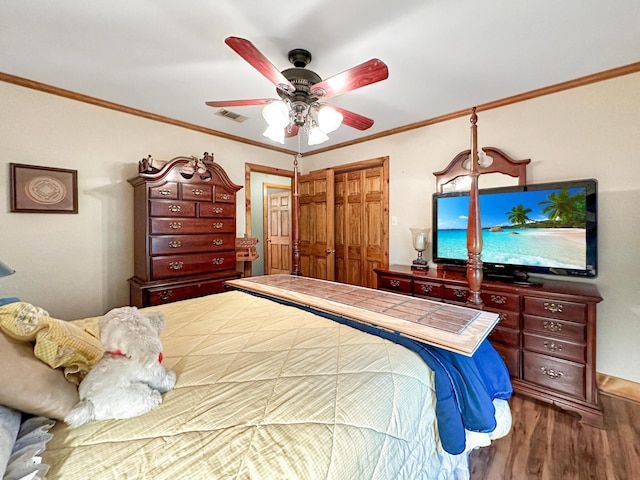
[
  {"x": 474, "y": 226},
  {"x": 295, "y": 229}
]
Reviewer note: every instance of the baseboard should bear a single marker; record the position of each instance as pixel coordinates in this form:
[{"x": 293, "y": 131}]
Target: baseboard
[{"x": 618, "y": 387}]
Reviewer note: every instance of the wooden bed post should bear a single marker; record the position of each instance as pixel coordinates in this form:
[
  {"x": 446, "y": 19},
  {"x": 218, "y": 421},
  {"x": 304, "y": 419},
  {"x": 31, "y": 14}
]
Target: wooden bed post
[
  {"x": 474, "y": 226},
  {"x": 295, "y": 226}
]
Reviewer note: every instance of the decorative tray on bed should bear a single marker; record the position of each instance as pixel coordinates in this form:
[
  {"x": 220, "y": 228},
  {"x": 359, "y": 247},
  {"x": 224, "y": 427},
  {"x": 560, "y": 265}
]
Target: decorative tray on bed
[{"x": 451, "y": 327}]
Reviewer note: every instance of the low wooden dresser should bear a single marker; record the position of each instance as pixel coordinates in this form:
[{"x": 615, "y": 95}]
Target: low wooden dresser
[
  {"x": 546, "y": 333},
  {"x": 184, "y": 231}
]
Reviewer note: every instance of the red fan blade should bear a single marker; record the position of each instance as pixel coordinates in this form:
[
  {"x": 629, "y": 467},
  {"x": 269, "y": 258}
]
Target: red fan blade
[
  {"x": 353, "y": 119},
  {"x": 251, "y": 54},
  {"x": 359, "y": 76},
  {"x": 240, "y": 103},
  {"x": 291, "y": 131}
]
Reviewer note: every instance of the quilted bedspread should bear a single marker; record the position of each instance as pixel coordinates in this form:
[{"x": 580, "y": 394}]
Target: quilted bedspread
[{"x": 269, "y": 391}]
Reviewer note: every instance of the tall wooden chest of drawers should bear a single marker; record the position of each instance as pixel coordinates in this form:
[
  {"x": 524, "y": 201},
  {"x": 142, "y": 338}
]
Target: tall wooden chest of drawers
[
  {"x": 184, "y": 231},
  {"x": 546, "y": 333}
]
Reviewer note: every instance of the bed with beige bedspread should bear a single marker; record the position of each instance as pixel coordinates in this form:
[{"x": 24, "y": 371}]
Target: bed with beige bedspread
[{"x": 270, "y": 391}]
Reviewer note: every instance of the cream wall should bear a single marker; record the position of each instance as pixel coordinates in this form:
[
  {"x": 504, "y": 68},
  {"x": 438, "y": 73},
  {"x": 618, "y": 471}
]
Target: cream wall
[
  {"x": 588, "y": 132},
  {"x": 77, "y": 265}
]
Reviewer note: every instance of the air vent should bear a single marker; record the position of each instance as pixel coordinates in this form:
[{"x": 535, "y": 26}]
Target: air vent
[{"x": 236, "y": 117}]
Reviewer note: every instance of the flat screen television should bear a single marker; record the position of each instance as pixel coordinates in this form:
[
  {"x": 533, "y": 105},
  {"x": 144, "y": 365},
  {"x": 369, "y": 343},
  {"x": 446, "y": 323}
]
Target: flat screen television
[{"x": 546, "y": 228}]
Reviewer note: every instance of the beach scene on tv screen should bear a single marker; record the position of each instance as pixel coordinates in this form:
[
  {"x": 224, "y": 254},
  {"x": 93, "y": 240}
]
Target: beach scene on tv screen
[{"x": 544, "y": 228}]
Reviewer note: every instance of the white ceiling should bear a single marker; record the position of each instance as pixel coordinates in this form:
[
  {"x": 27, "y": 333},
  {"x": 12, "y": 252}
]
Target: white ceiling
[{"x": 168, "y": 57}]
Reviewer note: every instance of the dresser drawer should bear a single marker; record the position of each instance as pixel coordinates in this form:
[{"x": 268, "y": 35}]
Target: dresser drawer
[
  {"x": 555, "y": 347},
  {"x": 506, "y": 319},
  {"x": 502, "y": 301},
  {"x": 422, "y": 288},
  {"x": 160, "y": 295},
  {"x": 457, "y": 294},
  {"x": 555, "y": 309},
  {"x": 181, "y": 265},
  {"x": 191, "y": 225},
  {"x": 224, "y": 196},
  {"x": 553, "y": 373},
  {"x": 511, "y": 357},
  {"x": 200, "y": 192},
  {"x": 505, "y": 336},
  {"x": 178, "y": 244},
  {"x": 395, "y": 284},
  {"x": 166, "y": 190},
  {"x": 168, "y": 208},
  {"x": 555, "y": 328},
  {"x": 217, "y": 210}
]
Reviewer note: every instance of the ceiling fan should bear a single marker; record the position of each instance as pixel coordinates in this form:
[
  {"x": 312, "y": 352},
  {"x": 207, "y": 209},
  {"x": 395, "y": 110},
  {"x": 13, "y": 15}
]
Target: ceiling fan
[{"x": 302, "y": 93}]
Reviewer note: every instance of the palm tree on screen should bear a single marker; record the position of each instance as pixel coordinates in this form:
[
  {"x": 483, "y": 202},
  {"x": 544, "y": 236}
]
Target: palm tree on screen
[
  {"x": 565, "y": 208},
  {"x": 518, "y": 215}
]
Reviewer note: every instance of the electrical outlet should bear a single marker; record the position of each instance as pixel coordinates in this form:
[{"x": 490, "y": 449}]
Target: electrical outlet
[{"x": 394, "y": 221}]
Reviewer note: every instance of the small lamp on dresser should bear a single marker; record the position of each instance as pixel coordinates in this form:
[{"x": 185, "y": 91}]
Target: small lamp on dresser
[{"x": 420, "y": 239}]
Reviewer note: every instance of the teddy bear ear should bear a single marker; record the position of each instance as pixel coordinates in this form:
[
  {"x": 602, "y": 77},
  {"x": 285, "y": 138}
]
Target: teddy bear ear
[{"x": 157, "y": 319}]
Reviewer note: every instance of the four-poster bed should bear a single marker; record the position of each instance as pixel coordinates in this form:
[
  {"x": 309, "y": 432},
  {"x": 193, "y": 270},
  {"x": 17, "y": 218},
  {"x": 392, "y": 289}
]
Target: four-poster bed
[
  {"x": 291, "y": 378},
  {"x": 546, "y": 334}
]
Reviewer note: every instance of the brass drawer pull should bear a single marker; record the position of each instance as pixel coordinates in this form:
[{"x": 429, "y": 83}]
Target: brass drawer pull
[
  {"x": 175, "y": 208},
  {"x": 197, "y": 191},
  {"x": 426, "y": 288},
  {"x": 554, "y": 347},
  {"x": 499, "y": 299},
  {"x": 502, "y": 316},
  {"x": 225, "y": 196},
  {"x": 217, "y": 209},
  {"x": 165, "y": 294},
  {"x": 217, "y": 241},
  {"x": 551, "y": 373},
  {"x": 164, "y": 191},
  {"x": 394, "y": 283},
  {"x": 175, "y": 225},
  {"x": 218, "y": 261},
  {"x": 552, "y": 326},
  {"x": 175, "y": 244},
  {"x": 218, "y": 225},
  {"x": 176, "y": 265},
  {"x": 459, "y": 293},
  {"x": 553, "y": 307}
]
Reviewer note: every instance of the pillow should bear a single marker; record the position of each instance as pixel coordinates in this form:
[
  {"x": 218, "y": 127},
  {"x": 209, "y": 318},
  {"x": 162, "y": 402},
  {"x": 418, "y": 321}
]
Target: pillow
[
  {"x": 9, "y": 425},
  {"x": 74, "y": 346},
  {"x": 28, "y": 385}
]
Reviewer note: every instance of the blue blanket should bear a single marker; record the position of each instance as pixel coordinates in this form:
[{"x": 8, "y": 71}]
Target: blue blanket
[{"x": 465, "y": 386}]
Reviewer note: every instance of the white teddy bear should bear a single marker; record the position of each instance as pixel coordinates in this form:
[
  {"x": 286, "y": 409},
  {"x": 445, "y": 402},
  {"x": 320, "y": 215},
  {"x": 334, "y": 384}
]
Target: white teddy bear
[{"x": 129, "y": 379}]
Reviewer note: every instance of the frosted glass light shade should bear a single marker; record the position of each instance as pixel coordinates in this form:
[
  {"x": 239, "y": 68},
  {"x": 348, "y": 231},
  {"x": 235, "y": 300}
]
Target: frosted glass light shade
[
  {"x": 276, "y": 114},
  {"x": 316, "y": 136},
  {"x": 329, "y": 119},
  {"x": 275, "y": 133}
]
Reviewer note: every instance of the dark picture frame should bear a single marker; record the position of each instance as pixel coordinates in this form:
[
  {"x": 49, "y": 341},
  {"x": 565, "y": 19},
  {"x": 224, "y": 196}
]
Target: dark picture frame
[{"x": 36, "y": 189}]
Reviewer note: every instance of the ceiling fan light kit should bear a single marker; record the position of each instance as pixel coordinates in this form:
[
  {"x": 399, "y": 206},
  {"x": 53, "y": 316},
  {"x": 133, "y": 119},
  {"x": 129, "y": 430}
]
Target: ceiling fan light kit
[{"x": 300, "y": 91}]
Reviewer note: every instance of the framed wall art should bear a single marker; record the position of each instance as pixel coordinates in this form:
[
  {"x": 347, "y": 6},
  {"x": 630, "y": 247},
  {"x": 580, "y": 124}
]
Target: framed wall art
[{"x": 43, "y": 189}]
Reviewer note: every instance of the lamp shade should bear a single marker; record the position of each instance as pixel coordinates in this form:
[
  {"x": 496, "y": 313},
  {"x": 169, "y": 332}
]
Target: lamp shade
[
  {"x": 275, "y": 133},
  {"x": 276, "y": 114},
  {"x": 5, "y": 269},
  {"x": 316, "y": 136},
  {"x": 329, "y": 119}
]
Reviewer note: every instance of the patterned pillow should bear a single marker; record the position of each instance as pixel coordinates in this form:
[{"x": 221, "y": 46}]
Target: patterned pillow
[{"x": 73, "y": 346}]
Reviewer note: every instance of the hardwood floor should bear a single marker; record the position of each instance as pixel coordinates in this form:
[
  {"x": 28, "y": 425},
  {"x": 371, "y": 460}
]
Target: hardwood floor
[{"x": 551, "y": 444}]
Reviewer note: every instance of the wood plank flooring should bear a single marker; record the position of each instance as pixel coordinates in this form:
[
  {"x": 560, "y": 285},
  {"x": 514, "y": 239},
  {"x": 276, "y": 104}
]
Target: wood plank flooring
[{"x": 547, "y": 443}]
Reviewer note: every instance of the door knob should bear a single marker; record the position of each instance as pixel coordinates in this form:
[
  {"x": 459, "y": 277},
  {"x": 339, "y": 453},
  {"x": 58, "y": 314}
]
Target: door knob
[{"x": 329, "y": 251}]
